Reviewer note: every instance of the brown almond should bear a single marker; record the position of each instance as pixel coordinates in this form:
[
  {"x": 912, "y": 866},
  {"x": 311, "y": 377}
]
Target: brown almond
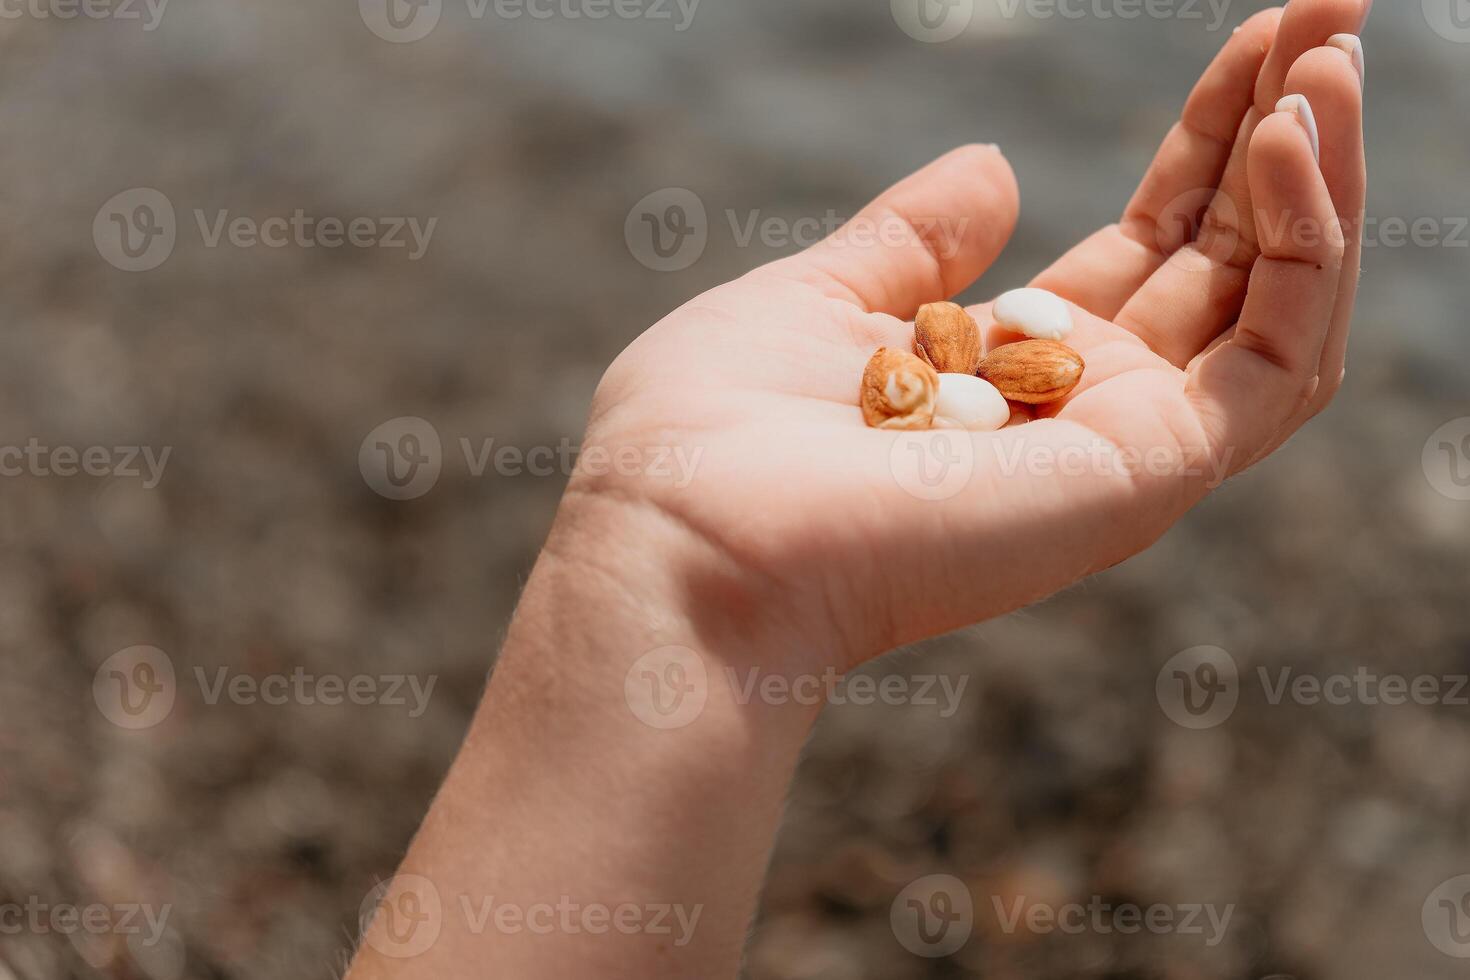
[
  {"x": 898, "y": 391},
  {"x": 1033, "y": 372},
  {"x": 948, "y": 338}
]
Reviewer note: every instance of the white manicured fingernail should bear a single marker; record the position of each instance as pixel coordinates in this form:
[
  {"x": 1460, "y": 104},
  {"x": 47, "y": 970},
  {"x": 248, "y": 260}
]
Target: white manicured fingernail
[
  {"x": 1353, "y": 46},
  {"x": 1304, "y": 114}
]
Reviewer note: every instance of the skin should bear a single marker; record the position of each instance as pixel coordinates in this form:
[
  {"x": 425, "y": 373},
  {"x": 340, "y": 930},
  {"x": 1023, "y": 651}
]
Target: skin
[{"x": 800, "y": 544}]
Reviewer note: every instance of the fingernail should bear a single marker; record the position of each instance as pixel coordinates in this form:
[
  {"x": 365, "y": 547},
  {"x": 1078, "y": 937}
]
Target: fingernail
[
  {"x": 1353, "y": 46},
  {"x": 1298, "y": 104}
]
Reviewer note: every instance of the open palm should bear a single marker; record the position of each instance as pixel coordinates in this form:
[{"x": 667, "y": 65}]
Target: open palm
[{"x": 1213, "y": 318}]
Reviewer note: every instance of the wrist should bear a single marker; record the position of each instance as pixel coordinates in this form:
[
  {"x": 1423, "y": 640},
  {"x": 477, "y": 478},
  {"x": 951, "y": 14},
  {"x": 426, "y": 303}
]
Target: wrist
[
  {"x": 688, "y": 581},
  {"x": 642, "y": 627},
  {"x": 611, "y": 765}
]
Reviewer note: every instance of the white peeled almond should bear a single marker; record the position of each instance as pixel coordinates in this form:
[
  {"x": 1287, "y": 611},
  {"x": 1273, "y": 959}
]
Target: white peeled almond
[
  {"x": 967, "y": 402},
  {"x": 1036, "y": 313}
]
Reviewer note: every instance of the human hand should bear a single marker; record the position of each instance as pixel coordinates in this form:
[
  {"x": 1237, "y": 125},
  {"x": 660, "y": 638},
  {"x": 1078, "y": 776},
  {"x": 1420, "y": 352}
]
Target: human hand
[
  {"x": 804, "y": 540},
  {"x": 810, "y": 535}
]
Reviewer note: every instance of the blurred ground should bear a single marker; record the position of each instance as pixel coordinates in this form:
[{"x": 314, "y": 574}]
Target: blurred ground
[{"x": 262, "y": 549}]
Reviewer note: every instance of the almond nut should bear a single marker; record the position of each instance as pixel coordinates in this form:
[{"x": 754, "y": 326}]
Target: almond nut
[
  {"x": 1033, "y": 372},
  {"x": 948, "y": 338},
  {"x": 898, "y": 391},
  {"x": 1036, "y": 313},
  {"x": 968, "y": 402}
]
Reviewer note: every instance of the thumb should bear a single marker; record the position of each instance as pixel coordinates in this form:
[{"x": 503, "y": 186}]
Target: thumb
[{"x": 924, "y": 239}]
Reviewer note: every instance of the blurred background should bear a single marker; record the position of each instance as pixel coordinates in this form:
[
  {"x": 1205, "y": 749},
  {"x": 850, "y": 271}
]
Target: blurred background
[{"x": 189, "y": 505}]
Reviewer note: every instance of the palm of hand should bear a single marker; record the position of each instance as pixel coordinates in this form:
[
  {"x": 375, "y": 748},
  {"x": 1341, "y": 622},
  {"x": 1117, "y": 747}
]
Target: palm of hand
[{"x": 858, "y": 539}]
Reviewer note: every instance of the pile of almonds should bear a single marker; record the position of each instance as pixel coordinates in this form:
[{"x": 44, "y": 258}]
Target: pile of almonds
[{"x": 946, "y": 383}]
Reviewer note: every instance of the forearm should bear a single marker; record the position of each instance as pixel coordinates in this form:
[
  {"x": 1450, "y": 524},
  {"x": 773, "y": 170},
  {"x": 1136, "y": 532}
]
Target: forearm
[{"x": 575, "y": 837}]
